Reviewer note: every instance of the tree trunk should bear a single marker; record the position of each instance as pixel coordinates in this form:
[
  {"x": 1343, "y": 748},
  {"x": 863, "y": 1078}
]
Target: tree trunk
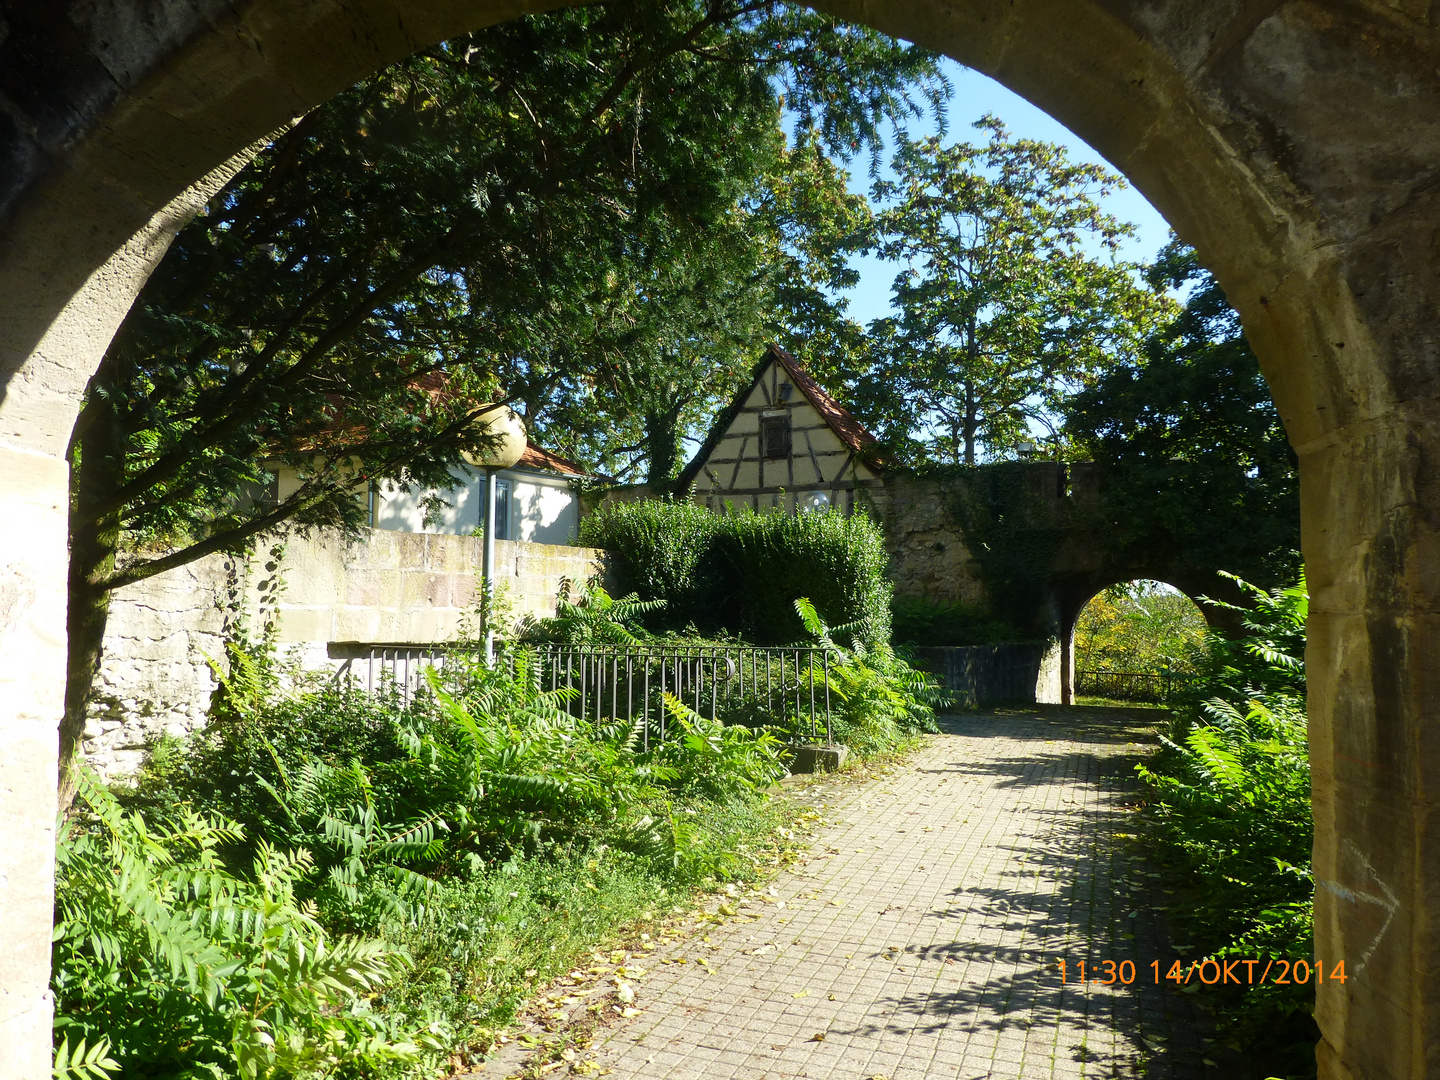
[
  {"x": 662, "y": 447},
  {"x": 972, "y": 424},
  {"x": 97, "y": 468}
]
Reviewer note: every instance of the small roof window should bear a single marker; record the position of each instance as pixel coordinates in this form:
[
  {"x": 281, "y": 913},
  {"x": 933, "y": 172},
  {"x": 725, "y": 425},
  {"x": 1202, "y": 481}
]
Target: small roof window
[{"x": 775, "y": 436}]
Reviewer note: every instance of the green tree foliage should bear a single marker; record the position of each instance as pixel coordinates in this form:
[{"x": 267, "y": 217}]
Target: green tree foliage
[
  {"x": 1004, "y": 306},
  {"x": 1231, "y": 811},
  {"x": 1140, "y": 626},
  {"x": 1195, "y": 452},
  {"x": 743, "y": 572},
  {"x": 814, "y": 225},
  {"x": 558, "y": 209}
]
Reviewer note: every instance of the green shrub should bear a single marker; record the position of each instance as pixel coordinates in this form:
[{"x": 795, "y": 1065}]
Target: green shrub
[
  {"x": 401, "y": 818},
  {"x": 663, "y": 546},
  {"x": 1231, "y": 809},
  {"x": 386, "y": 797},
  {"x": 326, "y": 881},
  {"x": 743, "y": 572}
]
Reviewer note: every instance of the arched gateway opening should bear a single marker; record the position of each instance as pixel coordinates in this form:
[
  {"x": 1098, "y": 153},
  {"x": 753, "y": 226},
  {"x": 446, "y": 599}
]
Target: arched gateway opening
[
  {"x": 1134, "y": 642},
  {"x": 1294, "y": 144}
]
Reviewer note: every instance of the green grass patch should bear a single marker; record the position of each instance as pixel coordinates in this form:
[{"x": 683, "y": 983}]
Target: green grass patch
[{"x": 490, "y": 941}]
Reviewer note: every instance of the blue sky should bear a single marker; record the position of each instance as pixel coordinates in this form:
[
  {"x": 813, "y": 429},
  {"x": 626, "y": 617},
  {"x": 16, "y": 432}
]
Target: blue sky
[{"x": 975, "y": 95}]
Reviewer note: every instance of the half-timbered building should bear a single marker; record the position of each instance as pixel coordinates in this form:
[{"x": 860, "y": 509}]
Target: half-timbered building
[{"x": 783, "y": 443}]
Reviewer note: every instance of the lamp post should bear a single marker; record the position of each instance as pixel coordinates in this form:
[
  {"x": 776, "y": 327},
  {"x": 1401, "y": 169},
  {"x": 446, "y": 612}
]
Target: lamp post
[{"x": 504, "y": 444}]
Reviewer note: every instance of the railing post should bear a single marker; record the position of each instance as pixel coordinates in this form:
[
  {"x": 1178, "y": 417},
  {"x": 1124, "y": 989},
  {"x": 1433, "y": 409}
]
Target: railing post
[
  {"x": 645, "y": 705},
  {"x": 810, "y": 666},
  {"x": 829, "y": 730}
]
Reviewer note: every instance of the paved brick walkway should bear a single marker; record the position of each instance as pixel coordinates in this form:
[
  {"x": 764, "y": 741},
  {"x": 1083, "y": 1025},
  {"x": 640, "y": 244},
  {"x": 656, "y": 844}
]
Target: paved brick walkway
[{"x": 919, "y": 939}]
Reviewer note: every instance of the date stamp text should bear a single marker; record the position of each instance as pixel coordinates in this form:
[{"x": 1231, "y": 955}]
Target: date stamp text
[{"x": 1233, "y": 972}]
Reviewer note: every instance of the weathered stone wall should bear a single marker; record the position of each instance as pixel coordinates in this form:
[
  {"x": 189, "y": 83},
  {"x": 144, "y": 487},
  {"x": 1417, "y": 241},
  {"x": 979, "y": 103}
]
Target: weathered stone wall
[
  {"x": 155, "y": 676},
  {"x": 928, "y": 552},
  {"x": 388, "y": 587},
  {"x": 980, "y": 675},
  {"x": 400, "y": 588}
]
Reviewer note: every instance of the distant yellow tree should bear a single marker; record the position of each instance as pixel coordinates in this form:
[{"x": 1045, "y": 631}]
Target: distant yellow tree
[{"x": 1141, "y": 626}]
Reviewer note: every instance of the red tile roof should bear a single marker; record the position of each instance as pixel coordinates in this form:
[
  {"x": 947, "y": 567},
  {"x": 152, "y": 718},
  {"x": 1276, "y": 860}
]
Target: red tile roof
[
  {"x": 852, "y": 433},
  {"x": 535, "y": 458}
]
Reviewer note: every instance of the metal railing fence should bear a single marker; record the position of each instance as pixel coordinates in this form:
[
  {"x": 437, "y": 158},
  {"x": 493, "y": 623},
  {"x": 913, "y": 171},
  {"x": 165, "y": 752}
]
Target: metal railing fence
[
  {"x": 386, "y": 668},
  {"x": 628, "y": 682}
]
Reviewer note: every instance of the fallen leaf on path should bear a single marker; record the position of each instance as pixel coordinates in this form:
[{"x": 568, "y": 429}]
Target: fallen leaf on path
[
  {"x": 819, "y": 1036},
  {"x": 802, "y": 993}
]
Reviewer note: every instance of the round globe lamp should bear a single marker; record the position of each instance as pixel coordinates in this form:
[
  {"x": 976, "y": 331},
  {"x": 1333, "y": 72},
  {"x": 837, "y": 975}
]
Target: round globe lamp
[
  {"x": 503, "y": 433},
  {"x": 502, "y": 445}
]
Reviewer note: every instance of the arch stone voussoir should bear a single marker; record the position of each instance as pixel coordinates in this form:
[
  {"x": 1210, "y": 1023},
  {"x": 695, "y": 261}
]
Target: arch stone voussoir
[{"x": 1295, "y": 143}]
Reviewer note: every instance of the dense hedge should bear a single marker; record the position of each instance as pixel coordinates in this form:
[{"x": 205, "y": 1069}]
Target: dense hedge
[{"x": 743, "y": 573}]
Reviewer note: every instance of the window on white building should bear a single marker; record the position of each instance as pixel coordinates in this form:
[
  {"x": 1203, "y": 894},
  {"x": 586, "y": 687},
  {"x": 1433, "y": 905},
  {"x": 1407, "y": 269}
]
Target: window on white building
[{"x": 502, "y": 508}]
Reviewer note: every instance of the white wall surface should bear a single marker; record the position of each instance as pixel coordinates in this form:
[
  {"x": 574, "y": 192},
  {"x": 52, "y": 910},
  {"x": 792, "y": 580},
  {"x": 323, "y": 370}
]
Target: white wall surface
[{"x": 543, "y": 509}]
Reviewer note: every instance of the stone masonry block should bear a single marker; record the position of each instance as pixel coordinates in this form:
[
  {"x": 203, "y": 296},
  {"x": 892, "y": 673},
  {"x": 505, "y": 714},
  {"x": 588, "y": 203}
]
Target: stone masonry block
[{"x": 811, "y": 758}]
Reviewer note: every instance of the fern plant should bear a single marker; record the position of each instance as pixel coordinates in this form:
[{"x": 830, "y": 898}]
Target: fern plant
[
  {"x": 592, "y": 617},
  {"x": 882, "y": 699},
  {"x": 533, "y": 771},
  {"x": 718, "y": 760},
  {"x": 180, "y": 967},
  {"x": 1230, "y": 809},
  {"x": 83, "y": 1062},
  {"x": 228, "y": 950},
  {"x": 366, "y": 860}
]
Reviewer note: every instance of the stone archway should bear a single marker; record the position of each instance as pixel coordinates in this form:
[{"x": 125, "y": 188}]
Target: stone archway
[
  {"x": 1073, "y": 596},
  {"x": 1295, "y": 143}
]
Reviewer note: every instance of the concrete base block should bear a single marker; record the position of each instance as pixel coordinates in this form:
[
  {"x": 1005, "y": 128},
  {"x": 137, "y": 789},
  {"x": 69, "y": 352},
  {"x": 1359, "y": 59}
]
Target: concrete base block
[{"x": 814, "y": 758}]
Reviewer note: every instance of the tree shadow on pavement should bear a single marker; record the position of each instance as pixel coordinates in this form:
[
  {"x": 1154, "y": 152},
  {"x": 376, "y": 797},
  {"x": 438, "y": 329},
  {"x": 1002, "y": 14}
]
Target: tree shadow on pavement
[{"x": 1077, "y": 889}]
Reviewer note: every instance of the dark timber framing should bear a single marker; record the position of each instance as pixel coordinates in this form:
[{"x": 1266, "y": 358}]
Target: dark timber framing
[{"x": 828, "y": 452}]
